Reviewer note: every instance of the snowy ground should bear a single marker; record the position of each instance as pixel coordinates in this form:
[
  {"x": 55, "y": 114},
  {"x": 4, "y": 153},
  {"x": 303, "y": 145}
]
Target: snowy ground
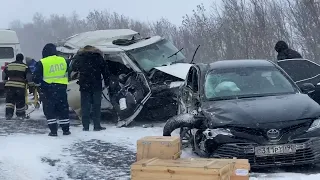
[{"x": 27, "y": 153}]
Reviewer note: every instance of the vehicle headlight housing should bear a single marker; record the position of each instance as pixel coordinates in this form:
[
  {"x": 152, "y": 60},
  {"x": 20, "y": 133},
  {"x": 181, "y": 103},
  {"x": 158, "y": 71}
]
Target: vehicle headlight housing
[
  {"x": 314, "y": 125},
  {"x": 212, "y": 133}
]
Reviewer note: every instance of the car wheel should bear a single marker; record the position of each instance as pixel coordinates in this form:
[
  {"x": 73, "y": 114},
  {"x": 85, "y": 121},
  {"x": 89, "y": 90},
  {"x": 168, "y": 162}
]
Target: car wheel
[
  {"x": 198, "y": 145},
  {"x": 186, "y": 138}
]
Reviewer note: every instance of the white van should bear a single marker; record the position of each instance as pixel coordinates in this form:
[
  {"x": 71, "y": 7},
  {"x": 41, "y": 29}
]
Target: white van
[
  {"x": 9, "y": 48},
  {"x": 153, "y": 69}
]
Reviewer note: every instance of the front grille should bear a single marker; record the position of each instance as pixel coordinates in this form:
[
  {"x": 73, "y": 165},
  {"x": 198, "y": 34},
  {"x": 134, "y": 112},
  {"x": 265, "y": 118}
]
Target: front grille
[
  {"x": 311, "y": 152},
  {"x": 261, "y": 133}
]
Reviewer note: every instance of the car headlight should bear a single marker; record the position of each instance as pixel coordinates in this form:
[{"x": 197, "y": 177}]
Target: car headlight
[
  {"x": 314, "y": 125},
  {"x": 212, "y": 133}
]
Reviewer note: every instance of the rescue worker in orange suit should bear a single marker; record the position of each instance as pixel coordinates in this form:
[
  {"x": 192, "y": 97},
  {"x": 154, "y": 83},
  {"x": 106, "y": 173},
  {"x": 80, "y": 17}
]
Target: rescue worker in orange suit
[
  {"x": 51, "y": 75},
  {"x": 15, "y": 86}
]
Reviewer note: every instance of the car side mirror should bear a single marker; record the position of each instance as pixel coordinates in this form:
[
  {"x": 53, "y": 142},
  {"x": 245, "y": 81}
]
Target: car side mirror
[{"x": 307, "y": 88}]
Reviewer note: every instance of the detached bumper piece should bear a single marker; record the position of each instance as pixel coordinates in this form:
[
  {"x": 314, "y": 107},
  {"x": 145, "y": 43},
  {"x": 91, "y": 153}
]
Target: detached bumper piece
[{"x": 307, "y": 152}]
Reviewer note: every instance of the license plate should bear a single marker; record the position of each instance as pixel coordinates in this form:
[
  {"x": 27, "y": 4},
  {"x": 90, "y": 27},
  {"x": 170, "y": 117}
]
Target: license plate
[{"x": 275, "y": 150}]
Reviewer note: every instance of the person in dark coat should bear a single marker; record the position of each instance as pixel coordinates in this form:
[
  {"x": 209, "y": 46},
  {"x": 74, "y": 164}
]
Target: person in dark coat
[
  {"x": 31, "y": 63},
  {"x": 284, "y": 52},
  {"x": 15, "y": 74},
  {"x": 90, "y": 64},
  {"x": 52, "y": 75}
]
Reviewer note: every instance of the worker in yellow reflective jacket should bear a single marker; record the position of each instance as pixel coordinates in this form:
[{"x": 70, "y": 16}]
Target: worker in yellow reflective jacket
[
  {"x": 52, "y": 76},
  {"x": 15, "y": 74}
]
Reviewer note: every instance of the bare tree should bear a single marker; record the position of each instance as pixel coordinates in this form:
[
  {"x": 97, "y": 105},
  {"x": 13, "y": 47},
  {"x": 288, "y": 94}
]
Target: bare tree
[{"x": 235, "y": 29}]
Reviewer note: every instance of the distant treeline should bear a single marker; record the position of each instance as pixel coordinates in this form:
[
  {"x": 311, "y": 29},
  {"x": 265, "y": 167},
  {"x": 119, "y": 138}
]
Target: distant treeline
[{"x": 236, "y": 29}]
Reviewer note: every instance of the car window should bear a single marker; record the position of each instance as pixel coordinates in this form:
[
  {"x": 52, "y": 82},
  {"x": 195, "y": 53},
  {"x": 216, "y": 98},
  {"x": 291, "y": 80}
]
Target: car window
[
  {"x": 117, "y": 64},
  {"x": 189, "y": 78},
  {"x": 158, "y": 54},
  {"x": 300, "y": 69},
  {"x": 73, "y": 75},
  {"x": 246, "y": 82},
  {"x": 6, "y": 53}
]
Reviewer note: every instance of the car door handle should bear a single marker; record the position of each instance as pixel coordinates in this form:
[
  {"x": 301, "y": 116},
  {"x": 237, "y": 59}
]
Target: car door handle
[{"x": 68, "y": 89}]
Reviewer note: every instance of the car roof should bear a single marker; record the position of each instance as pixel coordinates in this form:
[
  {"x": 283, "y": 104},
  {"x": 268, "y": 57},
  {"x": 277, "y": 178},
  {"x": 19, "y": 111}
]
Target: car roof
[
  {"x": 109, "y": 46},
  {"x": 103, "y": 39},
  {"x": 225, "y": 64}
]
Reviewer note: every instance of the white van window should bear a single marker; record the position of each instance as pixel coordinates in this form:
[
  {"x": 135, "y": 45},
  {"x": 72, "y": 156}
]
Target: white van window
[{"x": 6, "y": 53}]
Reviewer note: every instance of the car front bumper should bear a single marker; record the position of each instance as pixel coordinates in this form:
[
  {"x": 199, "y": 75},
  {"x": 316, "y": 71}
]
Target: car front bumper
[{"x": 307, "y": 152}]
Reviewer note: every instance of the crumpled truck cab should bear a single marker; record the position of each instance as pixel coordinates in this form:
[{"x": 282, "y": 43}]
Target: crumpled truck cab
[{"x": 148, "y": 70}]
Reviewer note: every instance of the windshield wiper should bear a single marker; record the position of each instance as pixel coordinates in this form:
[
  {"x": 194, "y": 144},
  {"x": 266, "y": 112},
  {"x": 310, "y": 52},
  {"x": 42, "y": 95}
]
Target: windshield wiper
[
  {"x": 175, "y": 53},
  {"x": 261, "y": 95}
]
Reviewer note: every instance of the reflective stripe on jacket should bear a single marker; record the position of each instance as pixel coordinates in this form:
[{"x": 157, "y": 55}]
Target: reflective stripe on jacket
[
  {"x": 15, "y": 73},
  {"x": 55, "y": 70}
]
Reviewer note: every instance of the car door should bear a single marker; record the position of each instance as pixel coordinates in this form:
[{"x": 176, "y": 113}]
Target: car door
[
  {"x": 130, "y": 100},
  {"x": 73, "y": 91},
  {"x": 133, "y": 91},
  {"x": 195, "y": 99},
  {"x": 303, "y": 71},
  {"x": 187, "y": 93}
]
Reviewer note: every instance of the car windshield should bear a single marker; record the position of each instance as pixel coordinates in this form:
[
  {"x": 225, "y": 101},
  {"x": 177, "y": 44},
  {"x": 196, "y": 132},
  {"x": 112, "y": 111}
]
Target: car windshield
[
  {"x": 246, "y": 82},
  {"x": 155, "y": 55},
  {"x": 6, "y": 53}
]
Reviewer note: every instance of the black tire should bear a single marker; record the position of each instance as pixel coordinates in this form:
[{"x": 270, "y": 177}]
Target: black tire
[
  {"x": 179, "y": 121},
  {"x": 186, "y": 138},
  {"x": 196, "y": 149}
]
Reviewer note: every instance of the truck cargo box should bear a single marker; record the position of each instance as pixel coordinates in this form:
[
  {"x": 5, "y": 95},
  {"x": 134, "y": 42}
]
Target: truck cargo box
[
  {"x": 162, "y": 147},
  {"x": 180, "y": 169},
  {"x": 240, "y": 167}
]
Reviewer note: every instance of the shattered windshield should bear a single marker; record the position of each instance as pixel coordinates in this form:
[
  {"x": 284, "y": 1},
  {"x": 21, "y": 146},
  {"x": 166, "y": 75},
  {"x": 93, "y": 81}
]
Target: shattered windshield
[
  {"x": 155, "y": 55},
  {"x": 246, "y": 82}
]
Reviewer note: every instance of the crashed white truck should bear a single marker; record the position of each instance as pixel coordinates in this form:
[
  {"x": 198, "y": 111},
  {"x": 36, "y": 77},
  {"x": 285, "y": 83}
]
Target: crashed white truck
[{"x": 150, "y": 71}]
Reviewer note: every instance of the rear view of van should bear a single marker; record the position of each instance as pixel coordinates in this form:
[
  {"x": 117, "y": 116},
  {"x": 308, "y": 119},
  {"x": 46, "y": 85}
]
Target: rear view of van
[{"x": 9, "y": 48}]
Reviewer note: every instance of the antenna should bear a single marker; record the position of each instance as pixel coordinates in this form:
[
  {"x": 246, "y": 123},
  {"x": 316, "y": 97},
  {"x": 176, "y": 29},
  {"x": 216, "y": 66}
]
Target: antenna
[{"x": 194, "y": 54}]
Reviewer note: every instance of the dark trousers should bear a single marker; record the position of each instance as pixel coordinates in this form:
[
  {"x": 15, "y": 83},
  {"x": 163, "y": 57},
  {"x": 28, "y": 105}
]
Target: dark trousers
[
  {"x": 56, "y": 107},
  {"x": 15, "y": 98},
  {"x": 91, "y": 101}
]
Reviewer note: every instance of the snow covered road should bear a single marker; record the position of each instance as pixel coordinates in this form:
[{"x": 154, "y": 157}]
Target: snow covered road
[{"x": 27, "y": 153}]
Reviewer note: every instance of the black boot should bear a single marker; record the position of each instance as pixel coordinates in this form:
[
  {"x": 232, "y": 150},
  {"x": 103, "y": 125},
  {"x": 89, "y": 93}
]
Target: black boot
[
  {"x": 65, "y": 129},
  {"x": 9, "y": 117},
  {"x": 21, "y": 117},
  {"x": 54, "y": 129},
  {"x": 99, "y": 128},
  {"x": 66, "y": 133},
  {"x": 52, "y": 134}
]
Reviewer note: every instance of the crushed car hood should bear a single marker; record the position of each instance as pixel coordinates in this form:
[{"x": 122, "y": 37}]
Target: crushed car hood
[
  {"x": 179, "y": 70},
  {"x": 253, "y": 112}
]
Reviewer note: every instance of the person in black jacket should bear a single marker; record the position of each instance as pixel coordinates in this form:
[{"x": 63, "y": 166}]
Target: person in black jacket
[
  {"x": 284, "y": 52},
  {"x": 90, "y": 64}
]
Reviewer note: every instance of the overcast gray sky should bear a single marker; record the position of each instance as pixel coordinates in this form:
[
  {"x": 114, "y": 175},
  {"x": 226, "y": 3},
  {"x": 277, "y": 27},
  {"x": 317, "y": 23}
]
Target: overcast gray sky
[{"x": 146, "y": 10}]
